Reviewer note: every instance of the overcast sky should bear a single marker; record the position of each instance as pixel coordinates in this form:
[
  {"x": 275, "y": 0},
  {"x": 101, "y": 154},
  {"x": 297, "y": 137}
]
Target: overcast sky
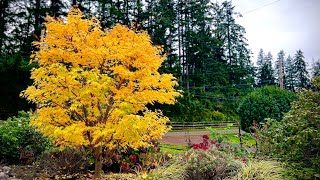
[{"x": 284, "y": 24}]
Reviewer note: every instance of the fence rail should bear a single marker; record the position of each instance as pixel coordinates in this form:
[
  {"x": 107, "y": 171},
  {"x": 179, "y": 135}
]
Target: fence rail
[{"x": 200, "y": 125}]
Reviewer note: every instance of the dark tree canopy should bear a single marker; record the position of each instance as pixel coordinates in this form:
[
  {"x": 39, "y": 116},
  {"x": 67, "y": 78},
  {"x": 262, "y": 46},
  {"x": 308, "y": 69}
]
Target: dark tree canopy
[{"x": 264, "y": 102}]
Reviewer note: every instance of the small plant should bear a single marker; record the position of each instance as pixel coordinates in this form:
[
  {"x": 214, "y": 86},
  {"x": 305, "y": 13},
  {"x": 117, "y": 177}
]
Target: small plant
[
  {"x": 205, "y": 144},
  {"x": 65, "y": 162},
  {"x": 220, "y": 136},
  {"x": 173, "y": 169},
  {"x": 19, "y": 141},
  {"x": 261, "y": 170},
  {"x": 198, "y": 164},
  {"x": 142, "y": 159},
  {"x": 239, "y": 153},
  {"x": 247, "y": 139}
]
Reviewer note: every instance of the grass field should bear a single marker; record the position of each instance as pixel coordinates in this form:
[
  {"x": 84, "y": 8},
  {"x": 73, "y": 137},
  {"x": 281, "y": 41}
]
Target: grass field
[
  {"x": 247, "y": 139},
  {"x": 195, "y": 130},
  {"x": 173, "y": 149}
]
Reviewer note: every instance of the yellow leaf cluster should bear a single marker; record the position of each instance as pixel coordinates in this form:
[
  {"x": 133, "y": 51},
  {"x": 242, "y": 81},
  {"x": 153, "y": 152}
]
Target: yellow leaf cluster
[{"x": 92, "y": 85}]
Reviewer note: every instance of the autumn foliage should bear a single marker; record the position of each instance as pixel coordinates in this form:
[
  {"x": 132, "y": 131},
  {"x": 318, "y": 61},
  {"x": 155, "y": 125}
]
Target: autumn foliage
[{"x": 92, "y": 86}]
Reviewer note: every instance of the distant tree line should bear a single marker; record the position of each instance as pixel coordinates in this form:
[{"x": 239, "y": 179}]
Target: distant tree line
[
  {"x": 294, "y": 74},
  {"x": 206, "y": 50}
]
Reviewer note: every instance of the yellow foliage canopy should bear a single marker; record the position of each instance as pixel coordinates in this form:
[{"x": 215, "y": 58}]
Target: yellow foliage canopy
[{"x": 92, "y": 86}]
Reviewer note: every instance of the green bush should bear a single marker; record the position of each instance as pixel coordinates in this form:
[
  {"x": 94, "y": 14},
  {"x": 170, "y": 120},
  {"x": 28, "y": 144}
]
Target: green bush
[
  {"x": 20, "y": 142},
  {"x": 218, "y": 116},
  {"x": 265, "y": 102},
  {"x": 261, "y": 170},
  {"x": 296, "y": 139}
]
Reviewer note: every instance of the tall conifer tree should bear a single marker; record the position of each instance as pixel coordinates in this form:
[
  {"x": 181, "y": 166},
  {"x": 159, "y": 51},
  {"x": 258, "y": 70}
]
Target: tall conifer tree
[
  {"x": 289, "y": 71},
  {"x": 300, "y": 70}
]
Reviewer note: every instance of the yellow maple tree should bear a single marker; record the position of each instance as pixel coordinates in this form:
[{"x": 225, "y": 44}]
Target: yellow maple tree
[{"x": 92, "y": 86}]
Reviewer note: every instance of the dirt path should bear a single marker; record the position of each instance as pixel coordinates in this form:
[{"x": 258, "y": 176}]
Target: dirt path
[{"x": 182, "y": 138}]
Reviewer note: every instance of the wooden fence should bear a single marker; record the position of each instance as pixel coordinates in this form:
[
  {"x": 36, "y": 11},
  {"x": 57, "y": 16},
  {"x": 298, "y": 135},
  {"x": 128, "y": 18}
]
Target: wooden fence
[{"x": 200, "y": 125}]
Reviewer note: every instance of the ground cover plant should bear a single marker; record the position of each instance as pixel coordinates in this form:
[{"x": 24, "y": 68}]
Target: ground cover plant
[
  {"x": 261, "y": 170},
  {"x": 92, "y": 87}
]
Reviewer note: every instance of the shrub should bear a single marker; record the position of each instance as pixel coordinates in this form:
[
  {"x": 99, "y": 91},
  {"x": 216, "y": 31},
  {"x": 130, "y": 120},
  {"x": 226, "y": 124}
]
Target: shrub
[
  {"x": 261, "y": 170},
  {"x": 174, "y": 169},
  {"x": 201, "y": 165},
  {"x": 142, "y": 159},
  {"x": 265, "y": 102},
  {"x": 296, "y": 139},
  {"x": 224, "y": 148},
  {"x": 19, "y": 141},
  {"x": 198, "y": 164},
  {"x": 218, "y": 116},
  {"x": 65, "y": 162}
]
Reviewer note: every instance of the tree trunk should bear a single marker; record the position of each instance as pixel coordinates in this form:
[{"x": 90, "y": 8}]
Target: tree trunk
[
  {"x": 97, "y": 152},
  {"x": 74, "y": 2},
  {"x": 37, "y": 21}
]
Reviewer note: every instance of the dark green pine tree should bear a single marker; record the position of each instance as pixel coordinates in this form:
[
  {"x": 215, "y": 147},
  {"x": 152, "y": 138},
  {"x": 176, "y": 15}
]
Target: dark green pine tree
[
  {"x": 279, "y": 62},
  {"x": 163, "y": 32},
  {"x": 198, "y": 43},
  {"x": 14, "y": 61},
  {"x": 260, "y": 60},
  {"x": 24, "y": 19},
  {"x": 265, "y": 72},
  {"x": 269, "y": 69},
  {"x": 289, "y": 82},
  {"x": 300, "y": 70},
  {"x": 57, "y": 8},
  {"x": 90, "y": 8},
  {"x": 109, "y": 12},
  {"x": 117, "y": 12},
  {"x": 260, "y": 65},
  {"x": 316, "y": 68},
  {"x": 236, "y": 49}
]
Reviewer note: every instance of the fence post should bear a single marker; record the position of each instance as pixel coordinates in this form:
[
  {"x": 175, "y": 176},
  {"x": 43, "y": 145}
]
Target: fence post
[{"x": 239, "y": 134}]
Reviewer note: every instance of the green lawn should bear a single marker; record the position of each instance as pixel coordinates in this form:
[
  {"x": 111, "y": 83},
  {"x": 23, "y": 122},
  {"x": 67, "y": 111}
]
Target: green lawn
[
  {"x": 173, "y": 149},
  {"x": 195, "y": 130},
  {"x": 247, "y": 139}
]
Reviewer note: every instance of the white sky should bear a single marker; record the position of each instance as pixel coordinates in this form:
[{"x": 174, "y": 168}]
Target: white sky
[{"x": 286, "y": 24}]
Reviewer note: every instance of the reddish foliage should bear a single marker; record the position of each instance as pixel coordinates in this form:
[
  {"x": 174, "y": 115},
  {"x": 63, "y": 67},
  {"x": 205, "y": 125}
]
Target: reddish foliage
[
  {"x": 213, "y": 142},
  {"x": 205, "y": 143},
  {"x": 133, "y": 158},
  {"x": 244, "y": 160},
  {"x": 205, "y": 137},
  {"x": 124, "y": 167}
]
